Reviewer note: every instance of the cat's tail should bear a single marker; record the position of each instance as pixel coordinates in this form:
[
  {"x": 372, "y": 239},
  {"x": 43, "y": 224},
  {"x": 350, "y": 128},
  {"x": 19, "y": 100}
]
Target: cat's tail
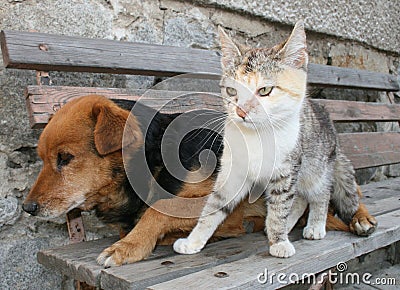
[{"x": 345, "y": 198}]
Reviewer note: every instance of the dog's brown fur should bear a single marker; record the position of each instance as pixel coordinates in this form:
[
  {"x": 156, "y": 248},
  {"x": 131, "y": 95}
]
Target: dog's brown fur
[{"x": 91, "y": 129}]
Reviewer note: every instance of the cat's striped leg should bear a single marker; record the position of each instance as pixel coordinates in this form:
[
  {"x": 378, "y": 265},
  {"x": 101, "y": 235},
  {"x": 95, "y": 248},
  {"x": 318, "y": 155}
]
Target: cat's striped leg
[
  {"x": 299, "y": 206},
  {"x": 279, "y": 203},
  {"x": 316, "y": 223}
]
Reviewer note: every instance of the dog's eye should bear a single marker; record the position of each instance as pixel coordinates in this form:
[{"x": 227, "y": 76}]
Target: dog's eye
[{"x": 63, "y": 159}]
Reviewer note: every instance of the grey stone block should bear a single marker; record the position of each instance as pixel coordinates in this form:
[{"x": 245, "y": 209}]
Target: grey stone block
[
  {"x": 9, "y": 211},
  {"x": 373, "y": 22},
  {"x": 19, "y": 268}
]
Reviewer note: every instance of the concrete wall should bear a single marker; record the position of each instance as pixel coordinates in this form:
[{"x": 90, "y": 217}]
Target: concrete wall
[{"x": 363, "y": 35}]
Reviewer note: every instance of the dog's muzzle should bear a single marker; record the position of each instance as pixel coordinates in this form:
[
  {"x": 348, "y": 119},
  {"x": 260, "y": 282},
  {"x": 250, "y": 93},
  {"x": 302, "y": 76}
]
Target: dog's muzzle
[{"x": 31, "y": 208}]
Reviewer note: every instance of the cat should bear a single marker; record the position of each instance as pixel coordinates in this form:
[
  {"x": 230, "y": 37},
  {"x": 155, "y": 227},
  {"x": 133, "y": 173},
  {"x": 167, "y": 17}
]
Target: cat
[{"x": 278, "y": 142}]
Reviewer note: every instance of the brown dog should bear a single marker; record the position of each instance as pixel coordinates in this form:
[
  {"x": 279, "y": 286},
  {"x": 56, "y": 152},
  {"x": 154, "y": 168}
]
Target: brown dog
[{"x": 83, "y": 167}]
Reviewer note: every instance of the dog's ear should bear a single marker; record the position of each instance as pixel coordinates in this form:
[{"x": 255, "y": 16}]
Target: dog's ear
[{"x": 110, "y": 127}]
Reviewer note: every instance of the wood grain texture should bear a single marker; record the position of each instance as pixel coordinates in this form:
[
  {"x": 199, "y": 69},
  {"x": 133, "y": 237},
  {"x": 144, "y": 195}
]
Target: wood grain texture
[
  {"x": 371, "y": 149},
  {"x": 363, "y": 149},
  {"x": 47, "y": 52},
  {"x": 78, "y": 261},
  {"x": 74, "y": 261},
  {"x": 42, "y": 101},
  {"x": 144, "y": 274},
  {"x": 311, "y": 257},
  {"x": 349, "y": 111},
  {"x": 324, "y": 75}
]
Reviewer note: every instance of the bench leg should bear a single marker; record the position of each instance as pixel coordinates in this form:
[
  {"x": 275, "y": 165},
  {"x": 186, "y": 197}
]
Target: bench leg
[
  {"x": 323, "y": 281},
  {"x": 76, "y": 233}
]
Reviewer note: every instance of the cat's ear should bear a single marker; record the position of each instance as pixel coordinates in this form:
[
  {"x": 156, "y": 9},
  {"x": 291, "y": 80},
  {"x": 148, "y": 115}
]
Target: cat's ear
[
  {"x": 294, "y": 52},
  {"x": 229, "y": 49}
]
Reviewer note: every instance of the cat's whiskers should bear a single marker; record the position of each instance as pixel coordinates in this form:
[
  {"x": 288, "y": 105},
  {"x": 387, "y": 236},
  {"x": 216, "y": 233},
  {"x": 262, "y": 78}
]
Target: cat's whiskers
[
  {"x": 208, "y": 124},
  {"x": 279, "y": 123},
  {"x": 217, "y": 129}
]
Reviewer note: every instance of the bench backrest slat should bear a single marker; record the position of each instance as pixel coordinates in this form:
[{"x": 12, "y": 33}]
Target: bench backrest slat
[
  {"x": 363, "y": 149},
  {"x": 47, "y": 52},
  {"x": 22, "y": 50},
  {"x": 53, "y": 96},
  {"x": 371, "y": 149},
  {"x": 350, "y": 111}
]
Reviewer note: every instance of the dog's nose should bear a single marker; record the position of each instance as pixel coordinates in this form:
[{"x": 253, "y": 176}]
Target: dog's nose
[{"x": 31, "y": 207}]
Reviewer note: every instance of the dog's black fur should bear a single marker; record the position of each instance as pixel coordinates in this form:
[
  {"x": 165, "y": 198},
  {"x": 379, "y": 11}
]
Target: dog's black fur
[{"x": 153, "y": 125}]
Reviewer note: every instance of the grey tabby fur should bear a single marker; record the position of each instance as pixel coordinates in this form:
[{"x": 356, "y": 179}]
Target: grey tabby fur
[{"x": 310, "y": 171}]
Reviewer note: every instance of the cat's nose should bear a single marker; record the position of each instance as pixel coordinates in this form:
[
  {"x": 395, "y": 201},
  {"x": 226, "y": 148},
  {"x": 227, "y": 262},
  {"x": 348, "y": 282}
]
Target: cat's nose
[{"x": 242, "y": 114}]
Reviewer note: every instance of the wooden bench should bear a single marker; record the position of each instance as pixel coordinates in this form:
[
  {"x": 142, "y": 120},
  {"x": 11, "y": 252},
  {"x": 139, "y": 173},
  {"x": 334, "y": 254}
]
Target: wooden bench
[{"x": 232, "y": 263}]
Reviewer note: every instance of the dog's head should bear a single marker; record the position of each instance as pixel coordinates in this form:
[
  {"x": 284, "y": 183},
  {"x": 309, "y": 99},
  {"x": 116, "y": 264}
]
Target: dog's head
[{"x": 82, "y": 157}]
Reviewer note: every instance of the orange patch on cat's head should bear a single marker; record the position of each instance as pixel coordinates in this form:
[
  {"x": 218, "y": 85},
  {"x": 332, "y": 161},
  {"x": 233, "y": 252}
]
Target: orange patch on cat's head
[
  {"x": 250, "y": 79},
  {"x": 292, "y": 81}
]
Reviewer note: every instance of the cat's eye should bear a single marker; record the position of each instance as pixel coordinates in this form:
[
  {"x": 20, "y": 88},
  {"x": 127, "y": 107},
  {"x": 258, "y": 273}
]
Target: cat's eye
[
  {"x": 63, "y": 159},
  {"x": 231, "y": 91},
  {"x": 265, "y": 91}
]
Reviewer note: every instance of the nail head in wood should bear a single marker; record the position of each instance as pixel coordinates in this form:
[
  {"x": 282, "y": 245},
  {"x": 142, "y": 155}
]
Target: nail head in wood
[
  {"x": 43, "y": 47},
  {"x": 221, "y": 275}
]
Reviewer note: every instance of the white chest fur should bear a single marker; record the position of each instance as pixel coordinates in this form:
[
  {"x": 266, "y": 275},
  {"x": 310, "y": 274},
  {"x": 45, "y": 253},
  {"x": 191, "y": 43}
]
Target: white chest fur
[{"x": 256, "y": 153}]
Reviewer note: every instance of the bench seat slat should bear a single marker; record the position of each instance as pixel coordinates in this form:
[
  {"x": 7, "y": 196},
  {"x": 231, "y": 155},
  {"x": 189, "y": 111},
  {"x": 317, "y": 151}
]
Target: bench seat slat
[
  {"x": 371, "y": 149},
  {"x": 78, "y": 260},
  {"x": 65, "y": 53},
  {"x": 311, "y": 257}
]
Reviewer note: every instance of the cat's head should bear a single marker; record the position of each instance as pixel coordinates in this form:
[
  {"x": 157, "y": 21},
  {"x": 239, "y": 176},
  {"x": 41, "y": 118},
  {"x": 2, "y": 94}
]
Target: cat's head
[{"x": 264, "y": 86}]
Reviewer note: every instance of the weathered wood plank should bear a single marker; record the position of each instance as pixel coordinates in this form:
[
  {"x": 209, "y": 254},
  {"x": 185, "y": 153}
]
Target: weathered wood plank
[
  {"x": 349, "y": 111},
  {"x": 363, "y": 149},
  {"x": 48, "y": 52},
  {"x": 38, "y": 51},
  {"x": 312, "y": 257},
  {"x": 81, "y": 266},
  {"x": 371, "y": 149},
  {"x": 78, "y": 261},
  {"x": 382, "y": 197},
  {"x": 143, "y": 274},
  {"x": 325, "y": 75},
  {"x": 45, "y": 100}
]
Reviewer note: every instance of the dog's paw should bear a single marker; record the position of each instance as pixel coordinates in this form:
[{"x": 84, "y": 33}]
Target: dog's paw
[
  {"x": 184, "y": 246},
  {"x": 316, "y": 232},
  {"x": 123, "y": 252},
  {"x": 283, "y": 249},
  {"x": 363, "y": 224}
]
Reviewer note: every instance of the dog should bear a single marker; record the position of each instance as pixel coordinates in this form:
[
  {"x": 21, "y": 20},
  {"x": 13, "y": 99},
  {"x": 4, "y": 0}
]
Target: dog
[{"x": 83, "y": 149}]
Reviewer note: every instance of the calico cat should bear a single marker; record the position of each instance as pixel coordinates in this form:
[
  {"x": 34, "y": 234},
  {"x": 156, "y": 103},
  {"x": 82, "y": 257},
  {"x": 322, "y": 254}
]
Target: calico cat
[{"x": 277, "y": 142}]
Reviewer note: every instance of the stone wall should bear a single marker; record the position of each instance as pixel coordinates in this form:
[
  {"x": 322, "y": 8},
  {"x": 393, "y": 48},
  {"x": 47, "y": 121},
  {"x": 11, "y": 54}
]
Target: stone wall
[{"x": 362, "y": 36}]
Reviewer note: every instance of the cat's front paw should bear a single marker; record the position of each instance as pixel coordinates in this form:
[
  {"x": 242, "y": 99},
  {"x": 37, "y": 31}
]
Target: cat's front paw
[
  {"x": 316, "y": 232},
  {"x": 185, "y": 246},
  {"x": 283, "y": 249}
]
